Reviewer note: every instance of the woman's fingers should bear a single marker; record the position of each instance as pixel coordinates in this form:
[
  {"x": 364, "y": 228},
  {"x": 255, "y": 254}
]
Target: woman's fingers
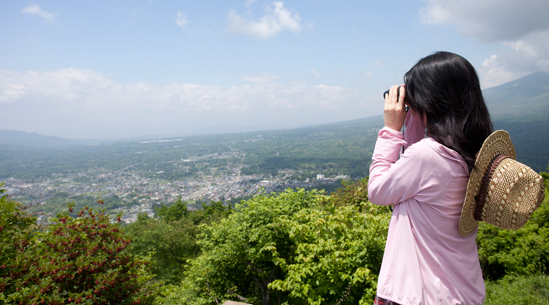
[
  {"x": 393, "y": 94},
  {"x": 401, "y": 95},
  {"x": 394, "y": 112}
]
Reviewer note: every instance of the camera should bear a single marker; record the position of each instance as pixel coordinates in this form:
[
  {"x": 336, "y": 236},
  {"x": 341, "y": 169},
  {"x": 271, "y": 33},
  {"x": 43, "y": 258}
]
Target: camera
[
  {"x": 398, "y": 95},
  {"x": 387, "y": 92}
]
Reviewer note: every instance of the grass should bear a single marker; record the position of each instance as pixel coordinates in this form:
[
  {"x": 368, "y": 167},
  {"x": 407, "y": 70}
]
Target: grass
[{"x": 531, "y": 290}]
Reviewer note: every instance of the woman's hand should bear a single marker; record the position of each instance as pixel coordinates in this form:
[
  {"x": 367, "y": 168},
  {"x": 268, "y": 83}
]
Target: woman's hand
[{"x": 394, "y": 112}]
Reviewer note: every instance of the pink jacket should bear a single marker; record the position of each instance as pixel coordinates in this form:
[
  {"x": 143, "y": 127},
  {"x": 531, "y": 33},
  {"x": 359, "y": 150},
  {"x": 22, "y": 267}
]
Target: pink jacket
[{"x": 426, "y": 260}]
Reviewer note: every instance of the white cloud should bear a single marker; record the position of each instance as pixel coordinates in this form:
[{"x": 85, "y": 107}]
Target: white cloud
[
  {"x": 368, "y": 74},
  {"x": 263, "y": 78},
  {"x": 36, "y": 10},
  {"x": 524, "y": 56},
  {"x": 181, "y": 20},
  {"x": 315, "y": 74},
  {"x": 330, "y": 96},
  {"x": 494, "y": 73},
  {"x": 522, "y": 26},
  {"x": 379, "y": 63},
  {"x": 490, "y": 20},
  {"x": 78, "y": 103},
  {"x": 274, "y": 21}
]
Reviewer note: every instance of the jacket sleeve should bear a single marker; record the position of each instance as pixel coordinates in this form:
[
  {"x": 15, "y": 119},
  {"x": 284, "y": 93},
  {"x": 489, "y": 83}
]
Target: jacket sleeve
[{"x": 393, "y": 180}]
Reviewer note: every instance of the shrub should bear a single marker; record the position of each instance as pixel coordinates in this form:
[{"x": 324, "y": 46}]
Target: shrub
[
  {"x": 511, "y": 290},
  {"x": 240, "y": 254},
  {"x": 78, "y": 261},
  {"x": 296, "y": 247},
  {"x": 337, "y": 256},
  {"x": 170, "y": 244},
  {"x": 16, "y": 228},
  {"x": 171, "y": 237}
]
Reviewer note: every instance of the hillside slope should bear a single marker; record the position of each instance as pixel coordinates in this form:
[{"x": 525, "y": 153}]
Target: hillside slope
[
  {"x": 21, "y": 138},
  {"x": 524, "y": 99},
  {"x": 521, "y": 107}
]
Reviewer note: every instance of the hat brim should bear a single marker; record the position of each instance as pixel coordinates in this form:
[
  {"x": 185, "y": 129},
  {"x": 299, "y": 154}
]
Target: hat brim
[{"x": 497, "y": 143}]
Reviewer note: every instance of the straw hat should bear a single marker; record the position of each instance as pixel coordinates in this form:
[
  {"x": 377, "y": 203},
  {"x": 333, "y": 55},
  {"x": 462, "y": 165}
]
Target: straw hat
[{"x": 500, "y": 190}]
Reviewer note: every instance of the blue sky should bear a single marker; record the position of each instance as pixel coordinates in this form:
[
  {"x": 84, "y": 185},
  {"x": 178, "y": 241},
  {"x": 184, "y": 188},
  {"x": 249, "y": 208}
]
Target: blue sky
[{"x": 114, "y": 69}]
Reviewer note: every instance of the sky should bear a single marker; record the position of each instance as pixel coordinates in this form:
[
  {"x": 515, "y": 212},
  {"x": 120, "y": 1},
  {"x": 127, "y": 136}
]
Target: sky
[{"x": 153, "y": 68}]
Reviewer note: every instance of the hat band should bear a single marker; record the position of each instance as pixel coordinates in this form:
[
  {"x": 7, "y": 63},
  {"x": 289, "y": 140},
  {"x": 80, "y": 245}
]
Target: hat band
[{"x": 480, "y": 198}]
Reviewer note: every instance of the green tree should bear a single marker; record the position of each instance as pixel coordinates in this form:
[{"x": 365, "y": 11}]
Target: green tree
[
  {"x": 174, "y": 212},
  {"x": 296, "y": 247},
  {"x": 170, "y": 244},
  {"x": 171, "y": 237},
  {"x": 337, "y": 257},
  {"x": 240, "y": 254},
  {"x": 356, "y": 193}
]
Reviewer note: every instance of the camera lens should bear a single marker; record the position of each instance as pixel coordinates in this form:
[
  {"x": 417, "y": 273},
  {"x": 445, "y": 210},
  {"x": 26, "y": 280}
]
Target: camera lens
[{"x": 387, "y": 92}]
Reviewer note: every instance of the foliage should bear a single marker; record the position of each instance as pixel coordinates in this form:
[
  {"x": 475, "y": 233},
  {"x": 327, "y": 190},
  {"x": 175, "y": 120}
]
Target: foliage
[
  {"x": 171, "y": 240},
  {"x": 174, "y": 212},
  {"x": 356, "y": 193},
  {"x": 171, "y": 237},
  {"x": 170, "y": 245},
  {"x": 297, "y": 247},
  {"x": 240, "y": 252},
  {"x": 521, "y": 252},
  {"x": 532, "y": 289},
  {"x": 170, "y": 295},
  {"x": 337, "y": 256},
  {"x": 80, "y": 260},
  {"x": 16, "y": 227}
]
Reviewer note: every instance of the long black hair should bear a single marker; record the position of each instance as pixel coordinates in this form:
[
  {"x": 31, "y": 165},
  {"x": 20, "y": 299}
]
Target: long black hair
[{"x": 444, "y": 87}]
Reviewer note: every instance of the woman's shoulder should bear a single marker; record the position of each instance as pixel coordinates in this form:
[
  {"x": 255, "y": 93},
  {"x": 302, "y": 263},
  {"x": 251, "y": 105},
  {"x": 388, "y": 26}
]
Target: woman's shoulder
[
  {"x": 438, "y": 153},
  {"x": 428, "y": 147},
  {"x": 421, "y": 148}
]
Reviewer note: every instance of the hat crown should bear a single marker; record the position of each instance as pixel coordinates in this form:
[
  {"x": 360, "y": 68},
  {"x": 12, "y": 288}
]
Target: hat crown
[
  {"x": 512, "y": 196},
  {"x": 514, "y": 190}
]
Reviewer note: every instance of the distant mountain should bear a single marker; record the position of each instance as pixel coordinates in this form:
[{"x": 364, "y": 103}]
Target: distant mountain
[
  {"x": 521, "y": 107},
  {"x": 524, "y": 99},
  {"x": 362, "y": 123},
  {"x": 521, "y": 100},
  {"x": 23, "y": 139}
]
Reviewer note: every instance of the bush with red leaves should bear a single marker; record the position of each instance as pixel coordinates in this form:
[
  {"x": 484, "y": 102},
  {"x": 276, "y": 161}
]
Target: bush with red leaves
[{"x": 80, "y": 260}]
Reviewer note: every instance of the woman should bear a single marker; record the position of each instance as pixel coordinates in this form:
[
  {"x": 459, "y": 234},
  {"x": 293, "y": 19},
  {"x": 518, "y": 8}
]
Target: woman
[{"x": 424, "y": 174}]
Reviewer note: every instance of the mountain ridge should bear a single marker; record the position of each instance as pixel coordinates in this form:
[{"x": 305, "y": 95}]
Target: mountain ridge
[{"x": 33, "y": 139}]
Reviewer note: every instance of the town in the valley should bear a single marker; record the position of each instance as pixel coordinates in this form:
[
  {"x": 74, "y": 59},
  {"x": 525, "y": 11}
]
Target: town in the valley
[{"x": 140, "y": 191}]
